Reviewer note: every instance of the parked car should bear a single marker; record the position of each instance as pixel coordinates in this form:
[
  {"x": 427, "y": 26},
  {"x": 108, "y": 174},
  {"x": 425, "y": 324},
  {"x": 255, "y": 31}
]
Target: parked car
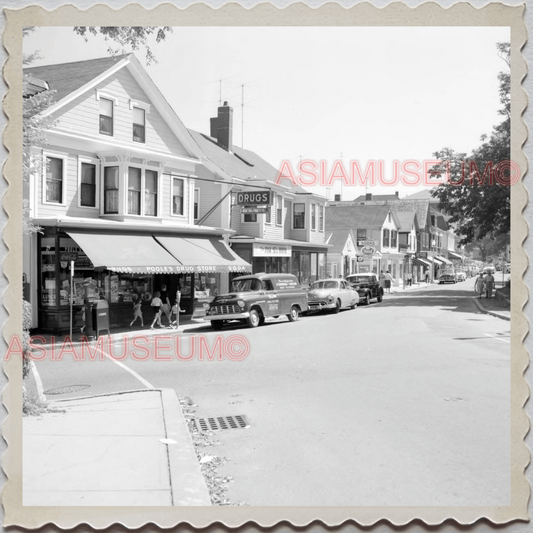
[
  {"x": 258, "y": 296},
  {"x": 460, "y": 276},
  {"x": 447, "y": 277},
  {"x": 367, "y": 286},
  {"x": 333, "y": 294}
]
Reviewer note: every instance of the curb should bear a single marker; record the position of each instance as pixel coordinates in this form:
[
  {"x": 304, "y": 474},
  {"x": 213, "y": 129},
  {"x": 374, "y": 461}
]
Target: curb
[
  {"x": 186, "y": 478},
  {"x": 492, "y": 313},
  {"x": 188, "y": 329},
  {"x": 187, "y": 482}
]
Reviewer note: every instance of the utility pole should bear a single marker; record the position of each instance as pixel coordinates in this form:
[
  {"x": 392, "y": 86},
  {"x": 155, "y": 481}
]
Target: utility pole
[{"x": 220, "y": 93}]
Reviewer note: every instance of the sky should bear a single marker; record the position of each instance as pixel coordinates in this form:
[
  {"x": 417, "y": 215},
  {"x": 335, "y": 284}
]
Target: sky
[{"x": 319, "y": 93}]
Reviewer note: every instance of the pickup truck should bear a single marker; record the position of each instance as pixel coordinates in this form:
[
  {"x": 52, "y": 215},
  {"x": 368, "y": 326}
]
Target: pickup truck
[{"x": 254, "y": 297}]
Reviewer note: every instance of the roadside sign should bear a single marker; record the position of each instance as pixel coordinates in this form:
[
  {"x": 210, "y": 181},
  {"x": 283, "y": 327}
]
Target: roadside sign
[
  {"x": 368, "y": 250},
  {"x": 367, "y": 242},
  {"x": 360, "y": 258}
]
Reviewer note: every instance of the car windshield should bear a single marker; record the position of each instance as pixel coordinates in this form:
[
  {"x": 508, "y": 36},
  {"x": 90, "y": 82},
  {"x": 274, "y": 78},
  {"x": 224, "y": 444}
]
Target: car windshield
[
  {"x": 328, "y": 284},
  {"x": 246, "y": 285},
  {"x": 359, "y": 279}
]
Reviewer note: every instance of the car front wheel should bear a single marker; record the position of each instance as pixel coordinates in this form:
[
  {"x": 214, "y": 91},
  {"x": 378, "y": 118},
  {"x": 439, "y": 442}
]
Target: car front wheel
[
  {"x": 293, "y": 315},
  {"x": 254, "y": 319},
  {"x": 366, "y": 300},
  {"x": 337, "y": 307},
  {"x": 380, "y": 297}
]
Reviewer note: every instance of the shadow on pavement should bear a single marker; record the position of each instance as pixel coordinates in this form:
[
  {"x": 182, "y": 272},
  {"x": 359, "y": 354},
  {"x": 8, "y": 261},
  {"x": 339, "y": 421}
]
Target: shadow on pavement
[{"x": 449, "y": 299}]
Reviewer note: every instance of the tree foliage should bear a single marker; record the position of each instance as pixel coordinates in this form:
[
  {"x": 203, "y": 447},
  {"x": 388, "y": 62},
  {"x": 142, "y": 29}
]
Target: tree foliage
[
  {"x": 479, "y": 207},
  {"x": 122, "y": 38}
]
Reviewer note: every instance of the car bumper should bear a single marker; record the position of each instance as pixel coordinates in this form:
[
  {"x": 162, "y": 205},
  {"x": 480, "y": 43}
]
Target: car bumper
[
  {"x": 233, "y": 316},
  {"x": 319, "y": 306}
]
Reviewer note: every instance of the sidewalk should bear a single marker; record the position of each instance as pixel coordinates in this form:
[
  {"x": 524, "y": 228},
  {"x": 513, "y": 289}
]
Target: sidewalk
[
  {"x": 187, "y": 325},
  {"x": 493, "y": 307},
  {"x": 130, "y": 448}
]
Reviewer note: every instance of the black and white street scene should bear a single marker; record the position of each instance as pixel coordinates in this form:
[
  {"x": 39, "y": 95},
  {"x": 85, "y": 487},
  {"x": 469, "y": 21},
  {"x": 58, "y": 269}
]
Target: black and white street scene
[{"x": 267, "y": 266}]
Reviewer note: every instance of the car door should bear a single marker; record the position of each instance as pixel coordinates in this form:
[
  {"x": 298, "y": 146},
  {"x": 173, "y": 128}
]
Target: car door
[{"x": 273, "y": 306}]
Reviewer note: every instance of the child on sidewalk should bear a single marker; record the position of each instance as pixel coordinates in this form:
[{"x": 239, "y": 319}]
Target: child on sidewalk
[
  {"x": 137, "y": 312},
  {"x": 156, "y": 306}
]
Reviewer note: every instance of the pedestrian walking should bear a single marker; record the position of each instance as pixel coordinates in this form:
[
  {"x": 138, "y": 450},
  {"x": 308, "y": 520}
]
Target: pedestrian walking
[
  {"x": 388, "y": 281},
  {"x": 382, "y": 280},
  {"x": 137, "y": 312},
  {"x": 156, "y": 306},
  {"x": 479, "y": 286},
  {"x": 165, "y": 304},
  {"x": 489, "y": 285},
  {"x": 409, "y": 279},
  {"x": 427, "y": 276}
]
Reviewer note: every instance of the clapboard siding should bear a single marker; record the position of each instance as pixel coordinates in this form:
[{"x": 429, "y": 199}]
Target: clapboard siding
[
  {"x": 210, "y": 194},
  {"x": 82, "y": 115}
]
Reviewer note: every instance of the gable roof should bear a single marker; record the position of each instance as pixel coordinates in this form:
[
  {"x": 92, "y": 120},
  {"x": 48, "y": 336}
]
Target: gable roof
[
  {"x": 71, "y": 80},
  {"x": 66, "y": 78},
  {"x": 355, "y": 216},
  {"x": 241, "y": 164},
  {"x": 420, "y": 207},
  {"x": 425, "y": 194},
  {"x": 337, "y": 239},
  {"x": 407, "y": 220}
]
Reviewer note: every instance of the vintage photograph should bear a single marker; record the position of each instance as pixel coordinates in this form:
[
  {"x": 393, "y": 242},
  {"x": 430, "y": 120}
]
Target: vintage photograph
[{"x": 267, "y": 266}]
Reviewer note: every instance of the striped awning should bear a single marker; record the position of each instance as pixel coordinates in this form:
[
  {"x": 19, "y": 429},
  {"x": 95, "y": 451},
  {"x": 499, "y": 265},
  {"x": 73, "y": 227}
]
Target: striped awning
[{"x": 421, "y": 262}]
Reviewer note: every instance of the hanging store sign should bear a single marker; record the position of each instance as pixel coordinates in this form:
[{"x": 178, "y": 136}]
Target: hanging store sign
[
  {"x": 259, "y": 197},
  {"x": 367, "y": 242},
  {"x": 368, "y": 250},
  {"x": 253, "y": 210},
  {"x": 271, "y": 250}
]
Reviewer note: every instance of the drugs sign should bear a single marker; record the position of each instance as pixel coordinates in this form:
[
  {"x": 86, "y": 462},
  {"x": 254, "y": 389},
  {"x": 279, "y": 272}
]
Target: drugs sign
[{"x": 259, "y": 197}]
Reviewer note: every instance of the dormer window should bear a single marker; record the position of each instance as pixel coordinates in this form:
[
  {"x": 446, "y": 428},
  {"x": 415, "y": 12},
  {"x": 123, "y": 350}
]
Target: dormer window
[
  {"x": 139, "y": 121},
  {"x": 106, "y": 116}
]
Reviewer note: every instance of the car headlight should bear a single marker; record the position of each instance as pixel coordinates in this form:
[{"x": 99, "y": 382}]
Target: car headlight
[
  {"x": 212, "y": 311},
  {"x": 330, "y": 298},
  {"x": 206, "y": 306},
  {"x": 240, "y": 303}
]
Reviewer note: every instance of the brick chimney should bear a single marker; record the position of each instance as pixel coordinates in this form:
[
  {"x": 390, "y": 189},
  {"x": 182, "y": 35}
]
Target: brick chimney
[
  {"x": 222, "y": 127},
  {"x": 368, "y": 196}
]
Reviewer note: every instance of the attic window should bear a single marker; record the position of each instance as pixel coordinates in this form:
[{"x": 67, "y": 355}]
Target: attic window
[
  {"x": 242, "y": 159},
  {"x": 106, "y": 116},
  {"x": 139, "y": 125}
]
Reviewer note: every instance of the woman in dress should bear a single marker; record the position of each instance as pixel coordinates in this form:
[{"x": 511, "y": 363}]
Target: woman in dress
[{"x": 479, "y": 287}]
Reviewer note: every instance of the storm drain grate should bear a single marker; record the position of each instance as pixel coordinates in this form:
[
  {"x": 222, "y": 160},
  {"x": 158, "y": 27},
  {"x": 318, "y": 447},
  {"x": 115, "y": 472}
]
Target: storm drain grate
[
  {"x": 66, "y": 390},
  {"x": 221, "y": 422}
]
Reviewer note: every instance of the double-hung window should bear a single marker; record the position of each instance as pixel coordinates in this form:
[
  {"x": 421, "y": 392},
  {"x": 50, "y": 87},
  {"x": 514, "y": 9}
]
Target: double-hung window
[
  {"x": 394, "y": 239},
  {"x": 361, "y": 235},
  {"x": 54, "y": 180},
  {"x": 177, "y": 196},
  {"x": 321, "y": 210},
  {"x": 386, "y": 238},
  {"x": 106, "y": 116},
  {"x": 298, "y": 216},
  {"x": 134, "y": 191},
  {"x": 139, "y": 125},
  {"x": 279, "y": 210},
  {"x": 150, "y": 193},
  {"x": 313, "y": 216},
  {"x": 268, "y": 214},
  {"x": 88, "y": 185},
  {"x": 196, "y": 204},
  {"x": 111, "y": 188},
  {"x": 250, "y": 217}
]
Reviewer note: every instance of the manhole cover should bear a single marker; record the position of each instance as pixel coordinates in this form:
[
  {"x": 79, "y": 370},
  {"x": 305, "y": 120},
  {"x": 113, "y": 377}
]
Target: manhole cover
[
  {"x": 66, "y": 390},
  {"x": 221, "y": 422}
]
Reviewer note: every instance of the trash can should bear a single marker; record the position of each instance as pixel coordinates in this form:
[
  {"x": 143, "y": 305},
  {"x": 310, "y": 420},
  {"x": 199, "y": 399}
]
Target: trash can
[{"x": 100, "y": 317}]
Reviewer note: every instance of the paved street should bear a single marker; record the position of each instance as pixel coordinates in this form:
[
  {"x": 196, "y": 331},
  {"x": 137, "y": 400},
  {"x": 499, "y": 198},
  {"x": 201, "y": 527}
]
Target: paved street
[{"x": 400, "y": 403}]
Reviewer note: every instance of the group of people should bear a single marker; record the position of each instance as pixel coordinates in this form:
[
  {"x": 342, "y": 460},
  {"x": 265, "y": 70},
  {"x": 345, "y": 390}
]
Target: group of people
[
  {"x": 160, "y": 304},
  {"x": 484, "y": 285},
  {"x": 385, "y": 280}
]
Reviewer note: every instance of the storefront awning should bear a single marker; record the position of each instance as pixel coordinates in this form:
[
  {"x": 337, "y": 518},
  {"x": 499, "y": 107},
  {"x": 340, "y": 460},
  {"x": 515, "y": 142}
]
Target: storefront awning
[
  {"x": 421, "y": 262},
  {"x": 442, "y": 260},
  {"x": 148, "y": 254},
  {"x": 454, "y": 255},
  {"x": 196, "y": 254},
  {"x": 135, "y": 254}
]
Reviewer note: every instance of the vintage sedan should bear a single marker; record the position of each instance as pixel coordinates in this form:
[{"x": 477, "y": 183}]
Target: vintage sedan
[
  {"x": 447, "y": 277},
  {"x": 332, "y": 294},
  {"x": 367, "y": 285}
]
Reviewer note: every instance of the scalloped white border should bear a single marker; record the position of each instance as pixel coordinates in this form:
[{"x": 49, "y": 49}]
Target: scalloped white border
[{"x": 295, "y": 14}]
